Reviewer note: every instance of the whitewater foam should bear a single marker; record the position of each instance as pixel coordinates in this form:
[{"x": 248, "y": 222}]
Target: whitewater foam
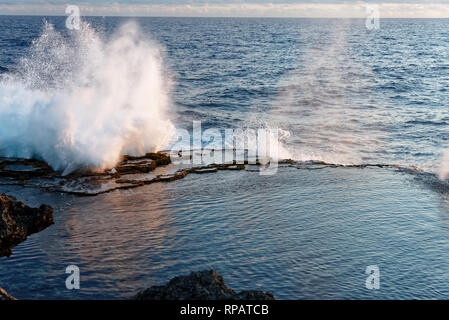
[{"x": 83, "y": 100}]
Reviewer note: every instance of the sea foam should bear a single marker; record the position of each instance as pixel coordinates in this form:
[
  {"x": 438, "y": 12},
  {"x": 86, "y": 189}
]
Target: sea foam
[{"x": 80, "y": 101}]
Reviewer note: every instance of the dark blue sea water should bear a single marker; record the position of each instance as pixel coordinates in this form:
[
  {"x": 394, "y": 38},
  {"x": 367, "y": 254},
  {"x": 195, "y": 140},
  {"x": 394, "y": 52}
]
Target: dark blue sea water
[{"x": 346, "y": 95}]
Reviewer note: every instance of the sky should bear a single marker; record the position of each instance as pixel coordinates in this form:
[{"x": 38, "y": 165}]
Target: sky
[{"x": 232, "y": 8}]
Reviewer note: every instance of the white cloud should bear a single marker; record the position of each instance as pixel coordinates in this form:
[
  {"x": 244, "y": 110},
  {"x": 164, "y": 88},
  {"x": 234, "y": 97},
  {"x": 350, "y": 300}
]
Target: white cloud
[{"x": 311, "y": 10}]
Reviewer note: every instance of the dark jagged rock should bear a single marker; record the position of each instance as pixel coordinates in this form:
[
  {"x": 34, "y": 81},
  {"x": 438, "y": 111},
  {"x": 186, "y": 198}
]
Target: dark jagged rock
[
  {"x": 4, "y": 296},
  {"x": 202, "y": 285},
  {"x": 24, "y": 169},
  {"x": 144, "y": 164},
  {"x": 130, "y": 172},
  {"x": 160, "y": 158},
  {"x": 18, "y": 221}
]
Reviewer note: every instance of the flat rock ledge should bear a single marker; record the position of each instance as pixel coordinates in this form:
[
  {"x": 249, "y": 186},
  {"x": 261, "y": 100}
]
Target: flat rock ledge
[
  {"x": 18, "y": 221},
  {"x": 4, "y": 296},
  {"x": 202, "y": 285}
]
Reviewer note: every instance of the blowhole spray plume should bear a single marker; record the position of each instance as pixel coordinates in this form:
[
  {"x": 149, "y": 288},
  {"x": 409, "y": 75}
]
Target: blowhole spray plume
[{"x": 81, "y": 102}]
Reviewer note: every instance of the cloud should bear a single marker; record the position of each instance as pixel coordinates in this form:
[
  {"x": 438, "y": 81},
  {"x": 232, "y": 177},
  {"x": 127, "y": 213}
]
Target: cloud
[{"x": 248, "y": 8}]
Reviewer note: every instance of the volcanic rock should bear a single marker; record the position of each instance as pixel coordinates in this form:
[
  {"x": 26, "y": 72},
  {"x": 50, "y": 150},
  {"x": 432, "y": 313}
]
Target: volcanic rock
[
  {"x": 4, "y": 296},
  {"x": 202, "y": 285},
  {"x": 18, "y": 221}
]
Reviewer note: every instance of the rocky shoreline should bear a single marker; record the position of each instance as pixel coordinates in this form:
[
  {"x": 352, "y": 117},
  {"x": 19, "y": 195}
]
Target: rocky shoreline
[
  {"x": 4, "y": 296},
  {"x": 130, "y": 172},
  {"x": 202, "y": 285},
  {"x": 17, "y": 222}
]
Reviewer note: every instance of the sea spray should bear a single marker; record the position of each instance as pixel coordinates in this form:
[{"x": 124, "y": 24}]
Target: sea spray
[
  {"x": 81, "y": 101},
  {"x": 443, "y": 170},
  {"x": 315, "y": 101}
]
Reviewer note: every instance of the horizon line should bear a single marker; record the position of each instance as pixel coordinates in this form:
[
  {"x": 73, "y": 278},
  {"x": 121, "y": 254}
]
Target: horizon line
[
  {"x": 344, "y": 10},
  {"x": 209, "y": 17}
]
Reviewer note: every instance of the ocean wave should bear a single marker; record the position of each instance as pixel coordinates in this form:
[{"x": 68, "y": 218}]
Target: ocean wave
[{"x": 83, "y": 101}]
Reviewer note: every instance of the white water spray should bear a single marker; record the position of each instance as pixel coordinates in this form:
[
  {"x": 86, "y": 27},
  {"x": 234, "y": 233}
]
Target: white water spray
[{"x": 80, "y": 102}]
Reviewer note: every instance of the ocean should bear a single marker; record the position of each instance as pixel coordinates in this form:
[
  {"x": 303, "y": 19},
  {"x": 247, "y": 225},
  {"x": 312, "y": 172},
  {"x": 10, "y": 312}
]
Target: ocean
[{"x": 361, "y": 114}]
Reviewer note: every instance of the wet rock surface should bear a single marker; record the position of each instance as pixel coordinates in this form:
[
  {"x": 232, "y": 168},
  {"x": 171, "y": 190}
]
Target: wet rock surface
[
  {"x": 131, "y": 172},
  {"x": 4, "y": 296},
  {"x": 24, "y": 169},
  {"x": 35, "y": 173},
  {"x": 18, "y": 221},
  {"x": 202, "y": 285}
]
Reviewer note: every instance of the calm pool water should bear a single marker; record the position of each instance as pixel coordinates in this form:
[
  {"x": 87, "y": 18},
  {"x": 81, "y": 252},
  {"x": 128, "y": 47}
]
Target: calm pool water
[{"x": 302, "y": 234}]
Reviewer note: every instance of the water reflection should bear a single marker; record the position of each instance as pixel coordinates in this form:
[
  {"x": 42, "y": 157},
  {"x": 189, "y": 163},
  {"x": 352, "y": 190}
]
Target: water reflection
[{"x": 277, "y": 233}]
